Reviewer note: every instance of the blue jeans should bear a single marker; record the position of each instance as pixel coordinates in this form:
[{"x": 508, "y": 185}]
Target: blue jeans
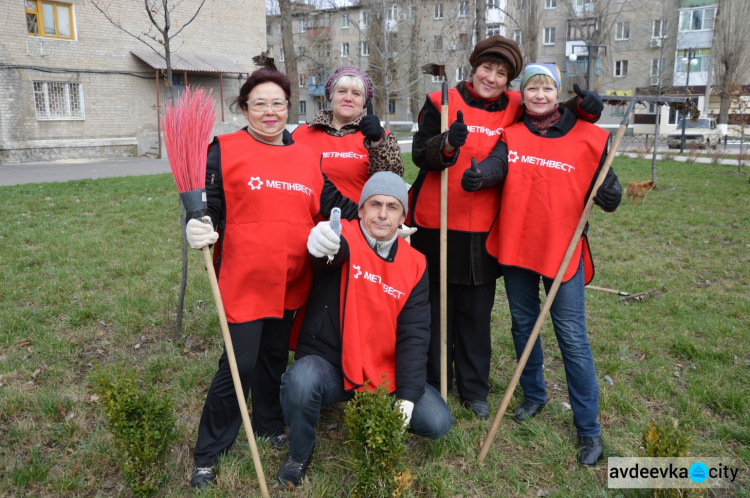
[
  {"x": 311, "y": 382},
  {"x": 568, "y": 314}
]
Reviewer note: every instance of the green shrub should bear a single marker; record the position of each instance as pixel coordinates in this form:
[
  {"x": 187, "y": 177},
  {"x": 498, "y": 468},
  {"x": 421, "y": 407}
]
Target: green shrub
[
  {"x": 375, "y": 428},
  {"x": 142, "y": 424},
  {"x": 664, "y": 440}
]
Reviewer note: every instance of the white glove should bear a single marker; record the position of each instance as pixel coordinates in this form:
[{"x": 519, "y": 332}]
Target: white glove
[
  {"x": 406, "y": 231},
  {"x": 406, "y": 407},
  {"x": 322, "y": 240},
  {"x": 201, "y": 233}
]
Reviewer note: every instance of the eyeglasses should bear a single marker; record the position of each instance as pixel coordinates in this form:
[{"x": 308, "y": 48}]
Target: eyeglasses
[{"x": 262, "y": 105}]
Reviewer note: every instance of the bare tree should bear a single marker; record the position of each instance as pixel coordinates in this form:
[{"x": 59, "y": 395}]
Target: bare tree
[
  {"x": 729, "y": 54},
  {"x": 290, "y": 57},
  {"x": 481, "y": 19},
  {"x": 524, "y": 16}
]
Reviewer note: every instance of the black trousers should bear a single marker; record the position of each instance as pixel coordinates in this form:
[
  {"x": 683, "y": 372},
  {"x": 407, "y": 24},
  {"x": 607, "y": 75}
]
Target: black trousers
[
  {"x": 468, "y": 341},
  {"x": 261, "y": 348}
]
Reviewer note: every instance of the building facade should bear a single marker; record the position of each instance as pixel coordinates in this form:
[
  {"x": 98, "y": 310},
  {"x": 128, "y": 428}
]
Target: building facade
[{"x": 74, "y": 87}]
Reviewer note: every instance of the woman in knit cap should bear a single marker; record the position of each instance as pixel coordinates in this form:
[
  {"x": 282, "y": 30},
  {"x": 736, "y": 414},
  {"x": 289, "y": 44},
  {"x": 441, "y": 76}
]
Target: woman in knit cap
[
  {"x": 353, "y": 144},
  {"x": 547, "y": 165},
  {"x": 479, "y": 110}
]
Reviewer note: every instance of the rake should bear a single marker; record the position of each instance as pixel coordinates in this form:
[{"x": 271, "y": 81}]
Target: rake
[
  {"x": 680, "y": 103},
  {"x": 187, "y": 128}
]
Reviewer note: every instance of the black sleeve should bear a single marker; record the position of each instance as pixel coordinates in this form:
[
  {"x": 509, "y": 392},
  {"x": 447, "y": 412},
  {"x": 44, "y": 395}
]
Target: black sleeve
[
  {"x": 412, "y": 340},
  {"x": 427, "y": 146},
  {"x": 214, "y": 187},
  {"x": 494, "y": 167},
  {"x": 330, "y": 198},
  {"x": 322, "y": 266}
]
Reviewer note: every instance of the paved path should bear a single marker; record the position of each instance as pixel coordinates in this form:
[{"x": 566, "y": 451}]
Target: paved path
[{"x": 80, "y": 169}]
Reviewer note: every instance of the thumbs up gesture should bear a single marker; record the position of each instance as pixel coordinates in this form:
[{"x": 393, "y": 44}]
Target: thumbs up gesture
[
  {"x": 370, "y": 127},
  {"x": 457, "y": 132}
]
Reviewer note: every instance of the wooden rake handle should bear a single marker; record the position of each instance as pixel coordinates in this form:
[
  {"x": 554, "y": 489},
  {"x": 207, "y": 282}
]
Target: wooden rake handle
[
  {"x": 555, "y": 286},
  {"x": 444, "y": 255},
  {"x": 235, "y": 373}
]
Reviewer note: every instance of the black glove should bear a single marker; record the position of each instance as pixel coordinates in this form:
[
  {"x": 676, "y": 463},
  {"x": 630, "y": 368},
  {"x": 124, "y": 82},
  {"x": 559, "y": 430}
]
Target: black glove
[
  {"x": 609, "y": 195},
  {"x": 370, "y": 125},
  {"x": 472, "y": 178},
  {"x": 458, "y": 131},
  {"x": 589, "y": 102}
]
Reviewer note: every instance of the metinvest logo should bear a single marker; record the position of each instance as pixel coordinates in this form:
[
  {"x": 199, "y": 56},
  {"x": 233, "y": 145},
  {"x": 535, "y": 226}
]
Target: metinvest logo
[{"x": 698, "y": 472}]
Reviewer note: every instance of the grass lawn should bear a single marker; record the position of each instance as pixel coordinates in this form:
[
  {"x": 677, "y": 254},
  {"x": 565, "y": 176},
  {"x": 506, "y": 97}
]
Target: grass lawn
[{"x": 90, "y": 272}]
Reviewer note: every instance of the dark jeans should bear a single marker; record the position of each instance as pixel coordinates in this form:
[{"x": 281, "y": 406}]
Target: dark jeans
[
  {"x": 468, "y": 338},
  {"x": 261, "y": 348},
  {"x": 568, "y": 314},
  {"x": 312, "y": 382}
]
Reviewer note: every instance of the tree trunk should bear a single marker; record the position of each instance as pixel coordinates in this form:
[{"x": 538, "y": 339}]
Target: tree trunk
[
  {"x": 481, "y": 16},
  {"x": 290, "y": 59}
]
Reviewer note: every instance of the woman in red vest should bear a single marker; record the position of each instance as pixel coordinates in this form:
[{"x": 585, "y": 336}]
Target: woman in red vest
[
  {"x": 263, "y": 192},
  {"x": 352, "y": 145},
  {"x": 479, "y": 110},
  {"x": 547, "y": 165}
]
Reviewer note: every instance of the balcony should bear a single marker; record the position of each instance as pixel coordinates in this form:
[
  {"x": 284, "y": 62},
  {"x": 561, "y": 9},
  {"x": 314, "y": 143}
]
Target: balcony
[{"x": 316, "y": 90}]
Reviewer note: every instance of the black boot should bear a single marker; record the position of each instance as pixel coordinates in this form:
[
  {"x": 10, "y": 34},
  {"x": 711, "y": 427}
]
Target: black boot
[
  {"x": 591, "y": 450},
  {"x": 291, "y": 473},
  {"x": 527, "y": 410}
]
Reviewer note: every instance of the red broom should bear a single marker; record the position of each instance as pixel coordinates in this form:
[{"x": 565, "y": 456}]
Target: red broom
[{"x": 187, "y": 128}]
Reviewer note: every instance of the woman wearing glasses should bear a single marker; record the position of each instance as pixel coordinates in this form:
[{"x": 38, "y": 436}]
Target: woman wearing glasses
[
  {"x": 353, "y": 145},
  {"x": 263, "y": 191}
]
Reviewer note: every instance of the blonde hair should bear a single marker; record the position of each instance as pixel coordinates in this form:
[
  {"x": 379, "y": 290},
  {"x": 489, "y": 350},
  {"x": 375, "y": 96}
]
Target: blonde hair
[
  {"x": 349, "y": 81},
  {"x": 541, "y": 79}
]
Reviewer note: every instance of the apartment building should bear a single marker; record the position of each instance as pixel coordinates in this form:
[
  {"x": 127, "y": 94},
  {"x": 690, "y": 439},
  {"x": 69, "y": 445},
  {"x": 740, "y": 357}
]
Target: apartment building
[{"x": 75, "y": 85}]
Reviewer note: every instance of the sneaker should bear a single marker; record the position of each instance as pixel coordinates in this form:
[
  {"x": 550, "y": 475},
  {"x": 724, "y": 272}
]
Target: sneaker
[
  {"x": 527, "y": 410},
  {"x": 203, "y": 477},
  {"x": 291, "y": 473},
  {"x": 479, "y": 407}
]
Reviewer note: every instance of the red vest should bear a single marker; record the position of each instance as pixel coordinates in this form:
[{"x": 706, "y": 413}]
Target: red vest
[
  {"x": 345, "y": 160},
  {"x": 543, "y": 197},
  {"x": 467, "y": 211},
  {"x": 373, "y": 293},
  {"x": 271, "y": 195}
]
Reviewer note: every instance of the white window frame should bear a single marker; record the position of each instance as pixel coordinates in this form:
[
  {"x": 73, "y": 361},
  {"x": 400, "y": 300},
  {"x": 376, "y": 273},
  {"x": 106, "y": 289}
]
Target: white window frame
[
  {"x": 281, "y": 54},
  {"x": 493, "y": 29},
  {"x": 302, "y": 79},
  {"x": 493, "y": 4},
  {"x": 687, "y": 15},
  {"x": 549, "y": 36},
  {"x": 622, "y": 30},
  {"x": 463, "y": 9},
  {"x": 303, "y": 107},
  {"x": 437, "y": 41},
  {"x": 439, "y": 10},
  {"x": 391, "y": 106},
  {"x": 345, "y": 49},
  {"x": 365, "y": 18},
  {"x": 550, "y": 4},
  {"x": 364, "y": 49},
  {"x": 301, "y": 25},
  {"x": 392, "y": 13},
  {"x": 656, "y": 66},
  {"x": 344, "y": 21},
  {"x": 47, "y": 110},
  {"x": 462, "y": 73},
  {"x": 621, "y": 68},
  {"x": 437, "y": 79},
  {"x": 517, "y": 36},
  {"x": 657, "y": 28}
]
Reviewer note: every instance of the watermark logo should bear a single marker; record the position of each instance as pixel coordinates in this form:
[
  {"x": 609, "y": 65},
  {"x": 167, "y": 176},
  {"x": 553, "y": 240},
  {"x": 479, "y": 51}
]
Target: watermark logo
[{"x": 683, "y": 472}]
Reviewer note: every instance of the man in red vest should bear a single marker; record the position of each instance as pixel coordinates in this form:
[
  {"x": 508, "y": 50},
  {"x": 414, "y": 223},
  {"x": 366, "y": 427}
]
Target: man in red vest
[{"x": 368, "y": 316}]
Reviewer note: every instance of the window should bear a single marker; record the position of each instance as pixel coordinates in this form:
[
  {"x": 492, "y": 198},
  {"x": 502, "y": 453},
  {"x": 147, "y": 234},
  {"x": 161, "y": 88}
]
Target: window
[
  {"x": 463, "y": 41},
  {"x": 493, "y": 29},
  {"x": 656, "y": 65},
  {"x": 302, "y": 107},
  {"x": 657, "y": 31},
  {"x": 549, "y": 36},
  {"x": 617, "y": 110},
  {"x": 324, "y": 49},
  {"x": 392, "y": 14},
  {"x": 365, "y": 18},
  {"x": 582, "y": 29},
  {"x": 391, "y": 106},
  {"x": 701, "y": 55},
  {"x": 550, "y": 4},
  {"x": 281, "y": 54},
  {"x": 438, "y": 41},
  {"x": 364, "y": 49},
  {"x": 697, "y": 19},
  {"x": 438, "y": 11},
  {"x": 49, "y": 19},
  {"x": 463, "y": 9},
  {"x": 345, "y": 49},
  {"x": 54, "y": 100},
  {"x": 462, "y": 74},
  {"x": 344, "y": 21},
  {"x": 319, "y": 105},
  {"x": 493, "y": 4},
  {"x": 517, "y": 36},
  {"x": 437, "y": 79},
  {"x": 653, "y": 108},
  {"x": 621, "y": 69},
  {"x": 581, "y": 3},
  {"x": 622, "y": 31},
  {"x": 302, "y": 78},
  {"x": 301, "y": 25}
]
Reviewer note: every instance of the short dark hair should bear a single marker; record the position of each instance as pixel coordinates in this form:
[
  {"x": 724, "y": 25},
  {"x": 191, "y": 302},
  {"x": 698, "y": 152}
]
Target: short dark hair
[
  {"x": 259, "y": 76},
  {"x": 493, "y": 58}
]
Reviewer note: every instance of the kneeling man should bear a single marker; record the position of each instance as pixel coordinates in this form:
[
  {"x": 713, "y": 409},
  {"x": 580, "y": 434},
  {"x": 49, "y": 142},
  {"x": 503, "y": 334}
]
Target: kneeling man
[{"x": 368, "y": 315}]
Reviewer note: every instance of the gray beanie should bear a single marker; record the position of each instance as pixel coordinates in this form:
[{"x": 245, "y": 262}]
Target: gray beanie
[{"x": 386, "y": 183}]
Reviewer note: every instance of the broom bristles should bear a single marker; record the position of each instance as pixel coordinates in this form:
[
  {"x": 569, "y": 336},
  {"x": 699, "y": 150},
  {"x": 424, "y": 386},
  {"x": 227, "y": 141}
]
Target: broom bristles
[{"x": 187, "y": 129}]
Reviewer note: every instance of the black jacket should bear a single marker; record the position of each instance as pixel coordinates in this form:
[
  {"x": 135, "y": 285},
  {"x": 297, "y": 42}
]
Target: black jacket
[{"x": 320, "y": 333}]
